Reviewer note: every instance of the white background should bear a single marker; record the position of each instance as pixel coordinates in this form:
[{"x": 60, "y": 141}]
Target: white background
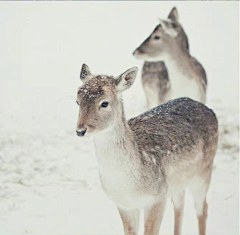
[{"x": 48, "y": 177}]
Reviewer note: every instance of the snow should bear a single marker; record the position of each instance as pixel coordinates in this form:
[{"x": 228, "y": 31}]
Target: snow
[{"x": 48, "y": 176}]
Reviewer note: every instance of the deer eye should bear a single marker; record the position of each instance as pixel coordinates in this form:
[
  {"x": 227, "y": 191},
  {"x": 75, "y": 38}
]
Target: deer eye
[
  {"x": 77, "y": 103},
  {"x": 156, "y": 37},
  {"x": 104, "y": 104}
]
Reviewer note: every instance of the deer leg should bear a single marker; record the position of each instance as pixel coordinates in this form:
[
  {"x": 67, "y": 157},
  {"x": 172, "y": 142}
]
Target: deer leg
[
  {"x": 153, "y": 218},
  {"x": 178, "y": 201},
  {"x": 130, "y": 219},
  {"x": 199, "y": 189}
]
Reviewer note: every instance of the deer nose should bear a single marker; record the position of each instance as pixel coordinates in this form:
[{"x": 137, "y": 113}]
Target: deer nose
[
  {"x": 81, "y": 132},
  {"x": 137, "y": 52}
]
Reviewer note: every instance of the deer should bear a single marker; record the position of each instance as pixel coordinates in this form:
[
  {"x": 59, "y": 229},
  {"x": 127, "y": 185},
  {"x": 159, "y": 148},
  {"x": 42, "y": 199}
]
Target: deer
[
  {"x": 170, "y": 71},
  {"x": 156, "y": 83},
  {"x": 149, "y": 158}
]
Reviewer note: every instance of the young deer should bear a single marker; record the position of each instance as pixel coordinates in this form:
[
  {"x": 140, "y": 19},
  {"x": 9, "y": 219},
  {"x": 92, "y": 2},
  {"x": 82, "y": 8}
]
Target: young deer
[
  {"x": 168, "y": 42},
  {"x": 150, "y": 157}
]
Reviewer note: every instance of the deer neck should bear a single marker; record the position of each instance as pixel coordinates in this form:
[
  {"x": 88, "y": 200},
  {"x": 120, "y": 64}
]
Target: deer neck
[
  {"x": 115, "y": 144},
  {"x": 182, "y": 74},
  {"x": 179, "y": 64}
]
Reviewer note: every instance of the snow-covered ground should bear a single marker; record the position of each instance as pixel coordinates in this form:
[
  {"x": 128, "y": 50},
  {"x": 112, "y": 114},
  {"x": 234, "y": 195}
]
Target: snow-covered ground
[{"x": 48, "y": 176}]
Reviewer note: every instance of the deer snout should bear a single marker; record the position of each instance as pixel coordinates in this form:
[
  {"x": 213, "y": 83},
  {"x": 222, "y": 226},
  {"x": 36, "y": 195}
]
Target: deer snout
[
  {"x": 81, "y": 129},
  {"x": 81, "y": 132},
  {"x": 137, "y": 52}
]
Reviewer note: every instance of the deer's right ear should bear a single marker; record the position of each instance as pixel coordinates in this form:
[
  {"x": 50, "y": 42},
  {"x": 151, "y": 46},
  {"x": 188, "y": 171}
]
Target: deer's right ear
[
  {"x": 126, "y": 79},
  {"x": 85, "y": 72}
]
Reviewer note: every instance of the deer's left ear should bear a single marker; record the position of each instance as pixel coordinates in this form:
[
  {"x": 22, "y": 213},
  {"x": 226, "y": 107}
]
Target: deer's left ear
[
  {"x": 85, "y": 72},
  {"x": 126, "y": 79},
  {"x": 173, "y": 15}
]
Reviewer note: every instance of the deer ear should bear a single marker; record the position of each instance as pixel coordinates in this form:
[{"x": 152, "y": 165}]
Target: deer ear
[
  {"x": 85, "y": 72},
  {"x": 126, "y": 79},
  {"x": 168, "y": 30},
  {"x": 173, "y": 15}
]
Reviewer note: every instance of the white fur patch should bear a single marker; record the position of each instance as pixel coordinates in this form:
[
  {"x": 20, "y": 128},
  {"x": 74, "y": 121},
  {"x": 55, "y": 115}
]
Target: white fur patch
[
  {"x": 119, "y": 173},
  {"x": 183, "y": 85}
]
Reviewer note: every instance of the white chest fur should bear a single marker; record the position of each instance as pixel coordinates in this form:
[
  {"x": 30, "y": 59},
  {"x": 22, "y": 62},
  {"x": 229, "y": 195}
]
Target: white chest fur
[
  {"x": 184, "y": 82},
  {"x": 120, "y": 177}
]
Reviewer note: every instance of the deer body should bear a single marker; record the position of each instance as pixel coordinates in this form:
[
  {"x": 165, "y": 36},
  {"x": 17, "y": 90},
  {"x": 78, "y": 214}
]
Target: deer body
[
  {"x": 156, "y": 83},
  {"x": 169, "y": 43},
  {"x": 150, "y": 157},
  {"x": 128, "y": 170}
]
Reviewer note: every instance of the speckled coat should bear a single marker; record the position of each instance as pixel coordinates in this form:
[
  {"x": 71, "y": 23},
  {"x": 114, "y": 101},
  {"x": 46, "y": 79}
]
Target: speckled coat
[{"x": 179, "y": 134}]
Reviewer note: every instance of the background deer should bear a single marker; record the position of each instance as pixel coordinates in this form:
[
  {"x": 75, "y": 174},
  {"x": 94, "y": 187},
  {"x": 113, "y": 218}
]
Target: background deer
[
  {"x": 169, "y": 43},
  {"x": 156, "y": 83},
  {"x": 151, "y": 157}
]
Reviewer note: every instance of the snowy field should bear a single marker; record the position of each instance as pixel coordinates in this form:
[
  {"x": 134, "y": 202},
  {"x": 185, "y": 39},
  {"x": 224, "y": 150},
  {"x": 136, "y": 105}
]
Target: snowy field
[{"x": 49, "y": 181}]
